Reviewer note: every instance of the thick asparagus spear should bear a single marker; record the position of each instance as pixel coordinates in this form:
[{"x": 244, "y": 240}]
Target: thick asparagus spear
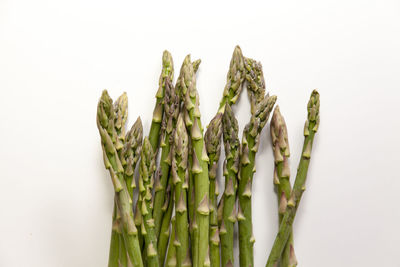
[
  {"x": 199, "y": 163},
  {"x": 250, "y": 143},
  {"x": 212, "y": 139},
  {"x": 146, "y": 181},
  {"x": 231, "y": 168},
  {"x": 255, "y": 82},
  {"x": 234, "y": 80},
  {"x": 180, "y": 178},
  {"x": 166, "y": 73},
  {"x": 165, "y": 225},
  {"x": 280, "y": 146},
  {"x": 171, "y": 110},
  {"x": 105, "y": 124},
  {"x": 285, "y": 228}
]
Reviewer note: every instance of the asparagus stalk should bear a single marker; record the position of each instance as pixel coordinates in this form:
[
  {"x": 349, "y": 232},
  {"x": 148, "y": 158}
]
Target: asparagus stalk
[
  {"x": 285, "y": 228},
  {"x": 280, "y": 146},
  {"x": 105, "y": 124},
  {"x": 180, "y": 178},
  {"x": 165, "y": 229},
  {"x": 146, "y": 181},
  {"x": 231, "y": 168},
  {"x": 250, "y": 143},
  {"x": 171, "y": 254},
  {"x": 234, "y": 80},
  {"x": 121, "y": 115},
  {"x": 255, "y": 82},
  {"x": 171, "y": 110},
  {"x": 212, "y": 139},
  {"x": 115, "y": 239},
  {"x": 166, "y": 73},
  {"x": 138, "y": 221},
  {"x": 199, "y": 163},
  {"x": 191, "y": 199}
]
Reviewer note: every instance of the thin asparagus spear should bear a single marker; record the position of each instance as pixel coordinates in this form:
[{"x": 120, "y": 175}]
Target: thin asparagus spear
[
  {"x": 310, "y": 128},
  {"x": 255, "y": 82},
  {"x": 171, "y": 254},
  {"x": 166, "y": 73},
  {"x": 146, "y": 181},
  {"x": 234, "y": 80},
  {"x": 280, "y": 146},
  {"x": 165, "y": 228},
  {"x": 212, "y": 139},
  {"x": 231, "y": 168},
  {"x": 199, "y": 163},
  {"x": 180, "y": 176},
  {"x": 105, "y": 124},
  {"x": 250, "y": 143},
  {"x": 171, "y": 110},
  {"x": 191, "y": 200},
  {"x": 121, "y": 115}
]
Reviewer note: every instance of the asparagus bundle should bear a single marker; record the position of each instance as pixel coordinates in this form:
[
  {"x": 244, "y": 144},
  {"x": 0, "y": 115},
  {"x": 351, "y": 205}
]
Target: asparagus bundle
[
  {"x": 186, "y": 177},
  {"x": 280, "y": 146},
  {"x": 285, "y": 228},
  {"x": 250, "y": 143},
  {"x": 231, "y": 168},
  {"x": 108, "y": 134}
]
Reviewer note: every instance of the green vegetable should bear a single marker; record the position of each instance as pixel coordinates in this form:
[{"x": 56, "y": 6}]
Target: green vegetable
[
  {"x": 146, "y": 182},
  {"x": 285, "y": 228},
  {"x": 110, "y": 145},
  {"x": 250, "y": 143},
  {"x": 280, "y": 145},
  {"x": 212, "y": 139},
  {"x": 199, "y": 164},
  {"x": 180, "y": 179},
  {"x": 231, "y": 168}
]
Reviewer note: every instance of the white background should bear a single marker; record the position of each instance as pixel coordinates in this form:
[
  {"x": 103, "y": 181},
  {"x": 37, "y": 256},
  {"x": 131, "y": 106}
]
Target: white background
[{"x": 57, "y": 56}]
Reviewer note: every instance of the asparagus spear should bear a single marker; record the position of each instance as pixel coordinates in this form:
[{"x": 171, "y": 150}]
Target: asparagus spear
[
  {"x": 146, "y": 181},
  {"x": 250, "y": 142},
  {"x": 180, "y": 176},
  {"x": 280, "y": 146},
  {"x": 121, "y": 115},
  {"x": 231, "y": 168},
  {"x": 116, "y": 236},
  {"x": 234, "y": 80},
  {"x": 166, "y": 73},
  {"x": 310, "y": 128},
  {"x": 199, "y": 163},
  {"x": 255, "y": 82},
  {"x": 212, "y": 139},
  {"x": 171, "y": 110},
  {"x": 165, "y": 231},
  {"x": 105, "y": 124},
  {"x": 171, "y": 254}
]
